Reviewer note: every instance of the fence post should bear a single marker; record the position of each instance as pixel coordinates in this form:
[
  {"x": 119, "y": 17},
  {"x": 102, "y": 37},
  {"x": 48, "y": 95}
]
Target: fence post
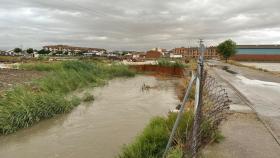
[
  {"x": 185, "y": 100},
  {"x": 198, "y": 102}
]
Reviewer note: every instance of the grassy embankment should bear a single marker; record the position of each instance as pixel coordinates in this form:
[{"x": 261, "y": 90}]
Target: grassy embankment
[
  {"x": 152, "y": 141},
  {"x": 25, "y": 105}
]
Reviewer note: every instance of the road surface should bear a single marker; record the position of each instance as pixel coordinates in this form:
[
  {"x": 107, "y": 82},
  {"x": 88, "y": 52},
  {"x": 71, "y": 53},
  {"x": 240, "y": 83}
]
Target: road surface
[
  {"x": 260, "y": 88},
  {"x": 251, "y": 92}
]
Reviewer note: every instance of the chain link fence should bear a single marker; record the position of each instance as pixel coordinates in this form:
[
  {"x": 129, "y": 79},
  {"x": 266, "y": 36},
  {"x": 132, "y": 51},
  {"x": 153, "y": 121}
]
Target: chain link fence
[
  {"x": 214, "y": 110},
  {"x": 211, "y": 107}
]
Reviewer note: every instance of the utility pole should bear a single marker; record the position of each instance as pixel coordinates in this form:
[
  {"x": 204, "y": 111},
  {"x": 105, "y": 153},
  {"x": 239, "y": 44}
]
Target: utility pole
[{"x": 198, "y": 99}]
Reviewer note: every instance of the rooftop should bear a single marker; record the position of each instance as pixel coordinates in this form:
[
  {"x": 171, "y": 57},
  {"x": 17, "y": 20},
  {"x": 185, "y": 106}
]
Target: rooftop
[
  {"x": 72, "y": 47},
  {"x": 258, "y": 46}
]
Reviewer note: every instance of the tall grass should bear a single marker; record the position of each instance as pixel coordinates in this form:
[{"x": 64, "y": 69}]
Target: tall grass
[
  {"x": 9, "y": 58},
  {"x": 152, "y": 141},
  {"x": 168, "y": 63},
  {"x": 23, "y": 106},
  {"x": 40, "y": 66},
  {"x": 175, "y": 152}
]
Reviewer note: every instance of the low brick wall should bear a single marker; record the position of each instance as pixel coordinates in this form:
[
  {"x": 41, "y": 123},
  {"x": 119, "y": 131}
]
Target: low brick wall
[
  {"x": 173, "y": 71},
  {"x": 256, "y": 57}
]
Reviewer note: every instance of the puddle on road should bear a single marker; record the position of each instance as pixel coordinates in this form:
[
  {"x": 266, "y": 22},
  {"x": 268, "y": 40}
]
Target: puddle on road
[
  {"x": 257, "y": 82},
  {"x": 99, "y": 129},
  {"x": 225, "y": 68},
  {"x": 264, "y": 96}
]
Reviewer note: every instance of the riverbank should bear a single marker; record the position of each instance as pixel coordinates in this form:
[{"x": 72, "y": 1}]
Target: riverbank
[
  {"x": 151, "y": 142},
  {"x": 24, "y": 105}
]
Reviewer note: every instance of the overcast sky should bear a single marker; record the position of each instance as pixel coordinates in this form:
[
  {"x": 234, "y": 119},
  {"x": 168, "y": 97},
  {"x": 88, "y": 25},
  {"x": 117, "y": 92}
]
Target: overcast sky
[{"x": 137, "y": 24}]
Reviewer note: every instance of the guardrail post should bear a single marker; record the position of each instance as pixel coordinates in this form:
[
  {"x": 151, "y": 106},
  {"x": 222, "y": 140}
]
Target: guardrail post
[
  {"x": 182, "y": 108},
  {"x": 198, "y": 102}
]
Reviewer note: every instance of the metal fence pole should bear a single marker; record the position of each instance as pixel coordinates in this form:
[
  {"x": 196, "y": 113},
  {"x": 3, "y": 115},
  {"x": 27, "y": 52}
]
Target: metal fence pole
[
  {"x": 185, "y": 100},
  {"x": 198, "y": 105}
]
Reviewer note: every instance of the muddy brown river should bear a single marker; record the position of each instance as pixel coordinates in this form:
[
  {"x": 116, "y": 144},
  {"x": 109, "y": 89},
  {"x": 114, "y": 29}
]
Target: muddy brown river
[{"x": 99, "y": 129}]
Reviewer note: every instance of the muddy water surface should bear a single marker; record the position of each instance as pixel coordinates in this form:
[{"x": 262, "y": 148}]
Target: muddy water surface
[{"x": 98, "y": 129}]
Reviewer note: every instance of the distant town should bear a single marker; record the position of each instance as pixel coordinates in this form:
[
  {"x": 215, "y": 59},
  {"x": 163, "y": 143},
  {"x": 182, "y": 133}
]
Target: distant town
[{"x": 244, "y": 52}]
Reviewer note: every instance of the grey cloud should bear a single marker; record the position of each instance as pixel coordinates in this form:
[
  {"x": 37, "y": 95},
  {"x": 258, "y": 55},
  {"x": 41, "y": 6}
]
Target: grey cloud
[{"x": 137, "y": 24}]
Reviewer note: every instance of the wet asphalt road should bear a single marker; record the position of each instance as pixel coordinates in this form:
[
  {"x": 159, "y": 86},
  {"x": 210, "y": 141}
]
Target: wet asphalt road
[{"x": 260, "y": 88}]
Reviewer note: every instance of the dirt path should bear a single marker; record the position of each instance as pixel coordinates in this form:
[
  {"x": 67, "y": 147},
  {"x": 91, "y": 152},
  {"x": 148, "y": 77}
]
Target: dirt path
[{"x": 245, "y": 135}]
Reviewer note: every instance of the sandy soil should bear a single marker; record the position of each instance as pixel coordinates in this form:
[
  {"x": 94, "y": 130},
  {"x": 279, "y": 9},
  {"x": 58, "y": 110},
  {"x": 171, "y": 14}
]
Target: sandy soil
[{"x": 10, "y": 77}]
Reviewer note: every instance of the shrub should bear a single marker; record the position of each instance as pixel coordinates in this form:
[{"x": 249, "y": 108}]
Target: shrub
[{"x": 88, "y": 97}]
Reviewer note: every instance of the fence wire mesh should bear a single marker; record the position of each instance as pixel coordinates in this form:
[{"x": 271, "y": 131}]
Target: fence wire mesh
[{"x": 215, "y": 107}]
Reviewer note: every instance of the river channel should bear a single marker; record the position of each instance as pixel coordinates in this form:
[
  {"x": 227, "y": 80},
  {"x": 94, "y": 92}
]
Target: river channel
[{"x": 98, "y": 129}]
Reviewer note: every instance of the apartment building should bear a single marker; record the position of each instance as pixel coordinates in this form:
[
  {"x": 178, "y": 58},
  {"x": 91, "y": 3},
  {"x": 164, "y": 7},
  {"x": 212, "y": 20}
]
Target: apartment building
[{"x": 193, "y": 52}]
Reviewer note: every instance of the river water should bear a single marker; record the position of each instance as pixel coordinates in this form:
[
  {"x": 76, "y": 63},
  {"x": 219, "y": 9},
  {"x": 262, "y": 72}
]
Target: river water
[{"x": 98, "y": 129}]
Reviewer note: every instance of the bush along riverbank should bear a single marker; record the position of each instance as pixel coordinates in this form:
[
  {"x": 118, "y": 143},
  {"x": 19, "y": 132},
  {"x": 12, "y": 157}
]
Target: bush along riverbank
[
  {"x": 25, "y": 105},
  {"x": 152, "y": 141}
]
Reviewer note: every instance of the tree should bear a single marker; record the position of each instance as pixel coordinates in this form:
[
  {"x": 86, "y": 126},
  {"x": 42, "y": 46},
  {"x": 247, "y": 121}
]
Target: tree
[
  {"x": 30, "y": 50},
  {"x": 227, "y": 49},
  {"x": 17, "y": 50},
  {"x": 43, "y": 51}
]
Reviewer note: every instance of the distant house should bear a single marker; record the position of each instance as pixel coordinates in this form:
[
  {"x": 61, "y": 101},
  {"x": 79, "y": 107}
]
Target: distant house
[
  {"x": 153, "y": 55},
  {"x": 127, "y": 56},
  {"x": 175, "y": 56},
  {"x": 73, "y": 50}
]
